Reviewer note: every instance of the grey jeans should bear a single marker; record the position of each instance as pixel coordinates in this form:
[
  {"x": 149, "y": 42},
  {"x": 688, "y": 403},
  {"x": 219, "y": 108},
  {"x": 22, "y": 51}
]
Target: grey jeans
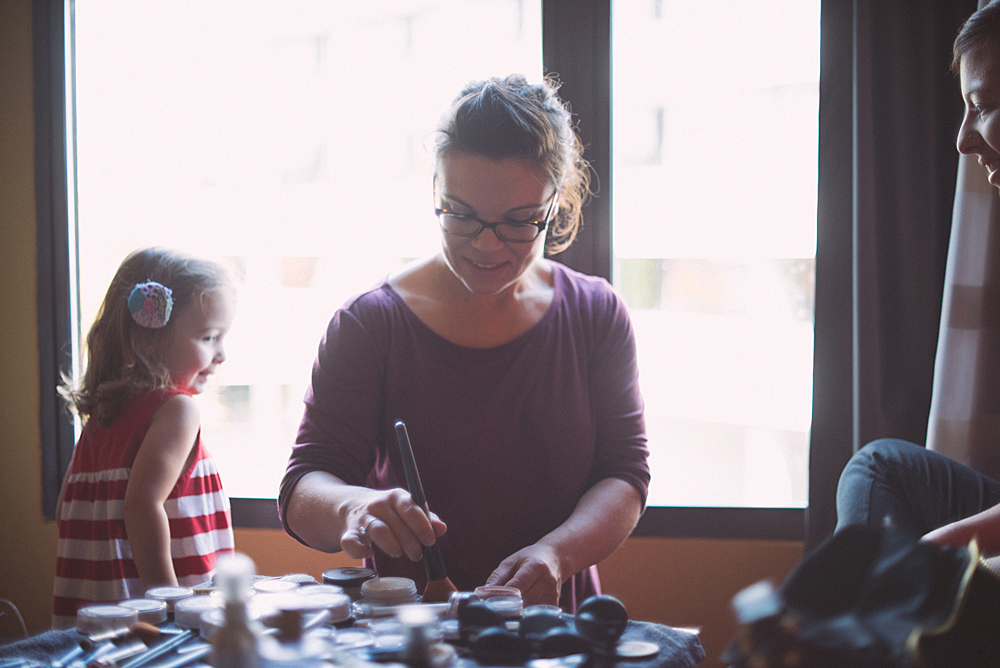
[{"x": 915, "y": 489}]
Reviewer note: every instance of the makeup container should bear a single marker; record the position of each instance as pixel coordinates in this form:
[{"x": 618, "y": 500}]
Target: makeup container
[
  {"x": 301, "y": 579},
  {"x": 100, "y": 618},
  {"x": 459, "y": 599},
  {"x": 388, "y": 634},
  {"x": 542, "y": 609},
  {"x": 449, "y": 623},
  {"x": 149, "y": 610},
  {"x": 338, "y": 605},
  {"x": 309, "y": 590},
  {"x": 389, "y": 591},
  {"x": 350, "y": 638},
  {"x": 274, "y": 586},
  {"x": 381, "y": 597},
  {"x": 489, "y": 591},
  {"x": 170, "y": 596},
  {"x": 187, "y": 612},
  {"x": 349, "y": 579},
  {"x": 505, "y": 601}
]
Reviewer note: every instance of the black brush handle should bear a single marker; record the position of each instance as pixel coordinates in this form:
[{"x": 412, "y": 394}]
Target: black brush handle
[
  {"x": 432, "y": 555},
  {"x": 410, "y": 466}
]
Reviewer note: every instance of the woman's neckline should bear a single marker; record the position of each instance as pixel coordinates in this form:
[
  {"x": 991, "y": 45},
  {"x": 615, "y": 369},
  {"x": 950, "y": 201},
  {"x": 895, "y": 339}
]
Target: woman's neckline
[{"x": 557, "y": 291}]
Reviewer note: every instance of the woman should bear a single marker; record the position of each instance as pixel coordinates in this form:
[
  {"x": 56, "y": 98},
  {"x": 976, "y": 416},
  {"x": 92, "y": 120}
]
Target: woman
[
  {"x": 918, "y": 490},
  {"x": 516, "y": 378}
]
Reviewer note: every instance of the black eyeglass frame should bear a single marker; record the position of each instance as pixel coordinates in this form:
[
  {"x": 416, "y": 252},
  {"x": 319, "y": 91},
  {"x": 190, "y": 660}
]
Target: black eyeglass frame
[{"x": 540, "y": 225}]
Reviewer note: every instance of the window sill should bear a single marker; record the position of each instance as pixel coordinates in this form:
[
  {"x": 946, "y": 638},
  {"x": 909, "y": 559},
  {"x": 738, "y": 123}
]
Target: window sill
[{"x": 657, "y": 522}]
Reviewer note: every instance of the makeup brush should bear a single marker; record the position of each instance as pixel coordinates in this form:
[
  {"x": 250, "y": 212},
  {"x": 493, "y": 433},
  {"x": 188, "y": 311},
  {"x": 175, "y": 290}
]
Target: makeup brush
[{"x": 439, "y": 588}]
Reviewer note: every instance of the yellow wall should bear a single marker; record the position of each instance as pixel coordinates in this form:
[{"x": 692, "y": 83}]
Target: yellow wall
[{"x": 677, "y": 582}]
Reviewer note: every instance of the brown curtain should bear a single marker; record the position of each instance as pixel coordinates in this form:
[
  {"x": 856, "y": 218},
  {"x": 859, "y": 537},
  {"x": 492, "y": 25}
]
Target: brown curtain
[
  {"x": 965, "y": 407},
  {"x": 889, "y": 112}
]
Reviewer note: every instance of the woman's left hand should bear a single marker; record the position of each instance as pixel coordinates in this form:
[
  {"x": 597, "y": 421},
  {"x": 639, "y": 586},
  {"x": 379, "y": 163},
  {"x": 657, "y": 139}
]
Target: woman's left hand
[
  {"x": 601, "y": 521},
  {"x": 535, "y": 570}
]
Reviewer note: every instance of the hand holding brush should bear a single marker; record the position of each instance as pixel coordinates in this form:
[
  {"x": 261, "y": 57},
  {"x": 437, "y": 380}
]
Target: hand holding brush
[{"x": 439, "y": 587}]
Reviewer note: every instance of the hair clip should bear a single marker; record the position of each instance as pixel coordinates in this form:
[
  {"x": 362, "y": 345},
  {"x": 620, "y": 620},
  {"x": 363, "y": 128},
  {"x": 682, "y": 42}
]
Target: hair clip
[{"x": 150, "y": 304}]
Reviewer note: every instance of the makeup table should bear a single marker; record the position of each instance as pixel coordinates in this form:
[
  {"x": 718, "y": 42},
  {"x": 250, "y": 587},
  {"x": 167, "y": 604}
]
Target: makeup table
[{"x": 676, "y": 649}]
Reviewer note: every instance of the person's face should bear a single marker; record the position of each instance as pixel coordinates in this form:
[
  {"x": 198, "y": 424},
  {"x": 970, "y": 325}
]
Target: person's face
[
  {"x": 980, "y": 132},
  {"x": 194, "y": 349},
  {"x": 493, "y": 190}
]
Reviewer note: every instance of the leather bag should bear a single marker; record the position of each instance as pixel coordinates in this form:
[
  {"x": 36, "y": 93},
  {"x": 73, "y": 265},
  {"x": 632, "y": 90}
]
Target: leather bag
[{"x": 873, "y": 598}]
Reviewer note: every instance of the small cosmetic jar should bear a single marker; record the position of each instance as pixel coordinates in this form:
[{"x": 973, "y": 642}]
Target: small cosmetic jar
[
  {"x": 150, "y": 611},
  {"x": 301, "y": 579},
  {"x": 389, "y": 591},
  {"x": 187, "y": 613},
  {"x": 338, "y": 605},
  {"x": 169, "y": 595},
  {"x": 274, "y": 586},
  {"x": 505, "y": 601},
  {"x": 99, "y": 618},
  {"x": 310, "y": 590},
  {"x": 349, "y": 578}
]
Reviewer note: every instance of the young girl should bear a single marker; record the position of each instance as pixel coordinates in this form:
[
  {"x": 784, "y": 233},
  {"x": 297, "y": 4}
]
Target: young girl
[{"x": 142, "y": 504}]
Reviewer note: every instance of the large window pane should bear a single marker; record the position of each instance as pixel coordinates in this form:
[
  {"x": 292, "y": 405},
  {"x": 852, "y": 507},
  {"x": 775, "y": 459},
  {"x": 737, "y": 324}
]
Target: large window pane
[
  {"x": 715, "y": 154},
  {"x": 290, "y": 137}
]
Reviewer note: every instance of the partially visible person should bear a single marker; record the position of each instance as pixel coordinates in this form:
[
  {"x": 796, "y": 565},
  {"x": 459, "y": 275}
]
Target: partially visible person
[
  {"x": 515, "y": 375},
  {"x": 923, "y": 492},
  {"x": 142, "y": 504}
]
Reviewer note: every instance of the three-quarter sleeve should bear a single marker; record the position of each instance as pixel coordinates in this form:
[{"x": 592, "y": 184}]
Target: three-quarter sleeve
[
  {"x": 339, "y": 424},
  {"x": 621, "y": 449}
]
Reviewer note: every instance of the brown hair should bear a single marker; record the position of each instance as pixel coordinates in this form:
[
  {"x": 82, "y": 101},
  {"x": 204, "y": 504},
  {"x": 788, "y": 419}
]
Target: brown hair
[
  {"x": 980, "y": 31},
  {"x": 121, "y": 354},
  {"x": 510, "y": 118}
]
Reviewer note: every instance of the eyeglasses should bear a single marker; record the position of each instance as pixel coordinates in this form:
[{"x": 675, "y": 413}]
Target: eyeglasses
[{"x": 512, "y": 231}]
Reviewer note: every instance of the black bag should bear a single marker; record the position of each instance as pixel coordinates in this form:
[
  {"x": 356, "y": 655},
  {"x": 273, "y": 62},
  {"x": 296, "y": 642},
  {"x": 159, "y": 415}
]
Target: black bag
[{"x": 873, "y": 598}]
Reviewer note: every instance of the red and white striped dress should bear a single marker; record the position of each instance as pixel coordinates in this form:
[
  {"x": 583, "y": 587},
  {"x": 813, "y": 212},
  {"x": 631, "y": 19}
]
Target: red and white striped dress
[{"x": 94, "y": 562}]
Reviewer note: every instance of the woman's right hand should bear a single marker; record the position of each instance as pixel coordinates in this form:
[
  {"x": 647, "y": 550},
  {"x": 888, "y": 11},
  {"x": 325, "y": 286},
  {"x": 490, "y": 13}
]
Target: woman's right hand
[
  {"x": 390, "y": 520},
  {"x": 327, "y": 514}
]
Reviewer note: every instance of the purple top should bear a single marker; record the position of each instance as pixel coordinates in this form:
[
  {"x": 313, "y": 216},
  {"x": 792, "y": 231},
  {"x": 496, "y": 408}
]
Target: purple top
[{"x": 507, "y": 439}]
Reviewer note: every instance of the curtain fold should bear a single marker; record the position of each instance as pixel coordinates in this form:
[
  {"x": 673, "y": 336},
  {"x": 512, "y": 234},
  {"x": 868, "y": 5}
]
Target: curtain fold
[
  {"x": 907, "y": 110},
  {"x": 901, "y": 120},
  {"x": 964, "y": 418}
]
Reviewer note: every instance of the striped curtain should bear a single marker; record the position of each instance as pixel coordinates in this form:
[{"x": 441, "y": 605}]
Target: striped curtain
[{"x": 964, "y": 418}]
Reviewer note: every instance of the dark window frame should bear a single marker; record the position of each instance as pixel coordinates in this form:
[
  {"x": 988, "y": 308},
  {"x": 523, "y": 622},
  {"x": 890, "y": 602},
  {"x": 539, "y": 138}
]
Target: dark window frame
[
  {"x": 576, "y": 46},
  {"x": 52, "y": 242}
]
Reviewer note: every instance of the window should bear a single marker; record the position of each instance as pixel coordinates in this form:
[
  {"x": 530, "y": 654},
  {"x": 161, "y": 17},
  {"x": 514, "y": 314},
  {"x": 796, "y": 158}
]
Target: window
[
  {"x": 266, "y": 139},
  {"x": 715, "y": 181},
  {"x": 294, "y": 142}
]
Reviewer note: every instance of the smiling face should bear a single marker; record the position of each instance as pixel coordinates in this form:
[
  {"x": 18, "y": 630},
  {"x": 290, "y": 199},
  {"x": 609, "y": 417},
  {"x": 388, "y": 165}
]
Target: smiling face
[
  {"x": 980, "y": 132},
  {"x": 493, "y": 190},
  {"x": 194, "y": 347}
]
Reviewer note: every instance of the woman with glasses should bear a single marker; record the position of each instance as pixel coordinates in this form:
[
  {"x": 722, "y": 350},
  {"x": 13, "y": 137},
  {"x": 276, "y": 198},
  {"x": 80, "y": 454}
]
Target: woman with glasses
[{"x": 515, "y": 375}]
